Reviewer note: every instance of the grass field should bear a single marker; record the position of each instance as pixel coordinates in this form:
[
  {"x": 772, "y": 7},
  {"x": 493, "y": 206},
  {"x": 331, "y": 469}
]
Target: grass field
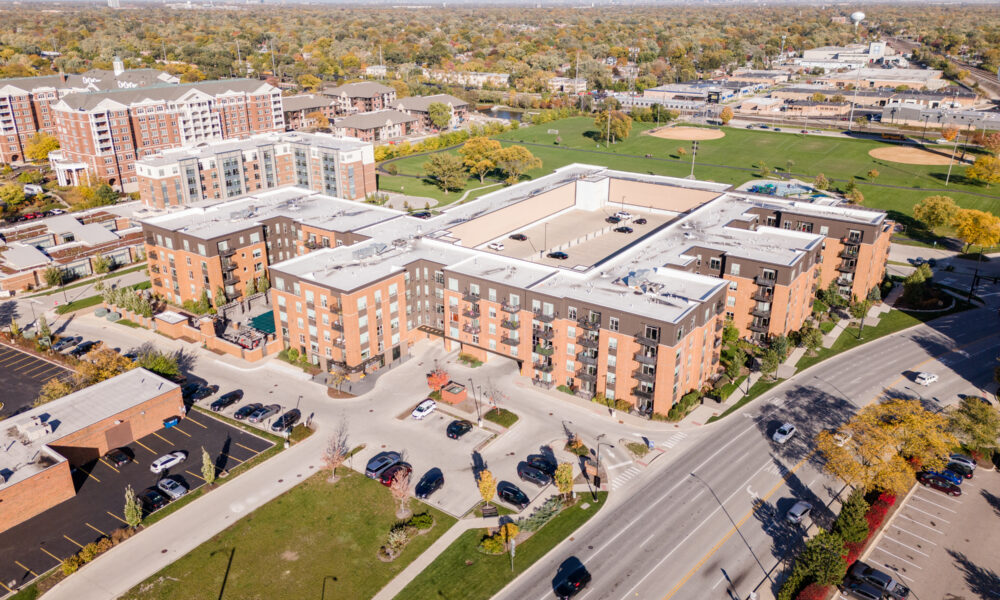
[
  {"x": 313, "y": 536},
  {"x": 452, "y": 576},
  {"x": 731, "y": 160}
]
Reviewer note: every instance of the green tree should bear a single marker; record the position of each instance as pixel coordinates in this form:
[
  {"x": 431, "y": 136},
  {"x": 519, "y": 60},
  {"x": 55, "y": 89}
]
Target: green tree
[
  {"x": 220, "y": 296},
  {"x": 935, "y": 211},
  {"x": 35, "y": 177},
  {"x": 446, "y": 170},
  {"x": 812, "y": 338},
  {"x": 43, "y": 327},
  {"x": 12, "y": 195},
  {"x": 763, "y": 169},
  {"x": 53, "y": 276},
  {"x": 309, "y": 82},
  {"x": 823, "y": 558},
  {"x": 204, "y": 302},
  {"x": 769, "y": 362},
  {"x": 621, "y": 125},
  {"x": 164, "y": 365},
  {"x": 735, "y": 365},
  {"x": 780, "y": 345},
  {"x": 263, "y": 283},
  {"x": 821, "y": 182},
  {"x": 851, "y": 524},
  {"x": 251, "y": 288},
  {"x": 207, "y": 467},
  {"x": 564, "y": 478},
  {"x": 39, "y": 147},
  {"x": 975, "y": 423},
  {"x": 860, "y": 308},
  {"x": 101, "y": 264},
  {"x": 440, "y": 114},
  {"x": 515, "y": 161},
  {"x": 479, "y": 155},
  {"x": 133, "y": 508}
]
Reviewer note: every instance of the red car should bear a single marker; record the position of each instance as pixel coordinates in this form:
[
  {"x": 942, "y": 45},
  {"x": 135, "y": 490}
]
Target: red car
[
  {"x": 939, "y": 483},
  {"x": 400, "y": 470}
]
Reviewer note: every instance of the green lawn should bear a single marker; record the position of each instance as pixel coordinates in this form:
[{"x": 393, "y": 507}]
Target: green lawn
[
  {"x": 313, "y": 536},
  {"x": 501, "y": 416},
  {"x": 80, "y": 304},
  {"x": 450, "y": 575},
  {"x": 733, "y": 158},
  {"x": 756, "y": 390},
  {"x": 89, "y": 281}
]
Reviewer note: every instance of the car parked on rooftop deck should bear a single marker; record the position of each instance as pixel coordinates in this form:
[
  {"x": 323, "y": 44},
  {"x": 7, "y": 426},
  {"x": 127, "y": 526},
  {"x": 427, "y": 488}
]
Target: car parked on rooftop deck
[
  {"x": 495, "y": 246},
  {"x": 520, "y": 237},
  {"x": 623, "y": 229},
  {"x": 558, "y": 255},
  {"x": 613, "y": 220},
  {"x": 639, "y": 221}
]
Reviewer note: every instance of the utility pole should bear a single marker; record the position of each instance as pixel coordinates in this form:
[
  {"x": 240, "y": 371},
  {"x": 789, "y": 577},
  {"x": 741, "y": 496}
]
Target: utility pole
[
  {"x": 239, "y": 58},
  {"x": 607, "y": 141},
  {"x": 694, "y": 152},
  {"x": 274, "y": 69},
  {"x": 163, "y": 46}
]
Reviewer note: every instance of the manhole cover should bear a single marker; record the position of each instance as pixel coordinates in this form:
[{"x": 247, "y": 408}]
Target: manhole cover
[{"x": 280, "y": 480}]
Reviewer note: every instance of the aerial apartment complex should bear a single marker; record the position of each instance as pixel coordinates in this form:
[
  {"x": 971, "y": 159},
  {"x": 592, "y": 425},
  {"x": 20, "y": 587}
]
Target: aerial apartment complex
[
  {"x": 342, "y": 167},
  {"x": 633, "y": 315},
  {"x": 104, "y": 133}
]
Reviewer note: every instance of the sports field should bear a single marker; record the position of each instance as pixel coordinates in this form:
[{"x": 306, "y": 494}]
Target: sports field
[{"x": 732, "y": 159}]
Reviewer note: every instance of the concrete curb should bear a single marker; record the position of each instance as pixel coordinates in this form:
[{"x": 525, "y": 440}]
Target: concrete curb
[{"x": 878, "y": 536}]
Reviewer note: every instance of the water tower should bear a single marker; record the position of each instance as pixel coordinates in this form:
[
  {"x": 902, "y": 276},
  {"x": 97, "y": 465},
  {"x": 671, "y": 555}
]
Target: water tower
[{"x": 856, "y": 18}]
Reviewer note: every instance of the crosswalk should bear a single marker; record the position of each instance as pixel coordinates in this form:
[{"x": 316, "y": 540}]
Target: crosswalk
[
  {"x": 674, "y": 439},
  {"x": 624, "y": 477}
]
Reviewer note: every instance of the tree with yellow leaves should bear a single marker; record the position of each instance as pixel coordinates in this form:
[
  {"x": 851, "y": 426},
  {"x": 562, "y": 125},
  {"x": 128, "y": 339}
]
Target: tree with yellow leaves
[
  {"x": 977, "y": 228},
  {"x": 39, "y": 146},
  {"x": 726, "y": 115},
  {"x": 986, "y": 169},
  {"x": 99, "y": 365},
  {"x": 508, "y": 531},
  {"x": 889, "y": 442},
  {"x": 479, "y": 155},
  {"x": 487, "y": 485}
]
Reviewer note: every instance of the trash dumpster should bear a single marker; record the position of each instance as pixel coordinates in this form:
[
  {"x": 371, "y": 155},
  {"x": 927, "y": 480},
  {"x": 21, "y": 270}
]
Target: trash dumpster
[{"x": 171, "y": 421}]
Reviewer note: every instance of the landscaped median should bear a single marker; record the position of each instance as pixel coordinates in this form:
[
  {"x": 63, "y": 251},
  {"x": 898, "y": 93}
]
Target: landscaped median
[
  {"x": 318, "y": 540},
  {"x": 465, "y": 571}
]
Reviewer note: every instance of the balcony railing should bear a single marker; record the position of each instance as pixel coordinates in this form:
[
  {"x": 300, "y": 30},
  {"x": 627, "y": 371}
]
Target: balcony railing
[
  {"x": 337, "y": 325},
  {"x": 508, "y": 324},
  {"x": 759, "y": 327},
  {"x": 586, "y": 358},
  {"x": 543, "y": 367},
  {"x": 230, "y": 280},
  {"x": 761, "y": 312},
  {"x": 761, "y": 296},
  {"x": 849, "y": 252},
  {"x": 765, "y": 281},
  {"x": 586, "y": 375},
  {"x": 154, "y": 269},
  {"x": 472, "y": 313},
  {"x": 543, "y": 317},
  {"x": 642, "y": 393},
  {"x": 588, "y": 342},
  {"x": 851, "y": 240},
  {"x": 720, "y": 325},
  {"x": 510, "y": 341},
  {"x": 228, "y": 265},
  {"x": 647, "y": 341},
  {"x": 510, "y": 308},
  {"x": 642, "y": 358},
  {"x": 473, "y": 329},
  {"x": 589, "y": 325},
  {"x": 542, "y": 383},
  {"x": 470, "y": 297},
  {"x": 312, "y": 245},
  {"x": 545, "y": 334},
  {"x": 643, "y": 376},
  {"x": 227, "y": 252},
  {"x": 152, "y": 255},
  {"x": 847, "y": 266},
  {"x": 339, "y": 343},
  {"x": 845, "y": 281},
  {"x": 544, "y": 351}
]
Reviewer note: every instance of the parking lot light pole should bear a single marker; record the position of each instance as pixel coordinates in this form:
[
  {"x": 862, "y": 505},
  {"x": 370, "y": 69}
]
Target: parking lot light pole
[{"x": 475, "y": 400}]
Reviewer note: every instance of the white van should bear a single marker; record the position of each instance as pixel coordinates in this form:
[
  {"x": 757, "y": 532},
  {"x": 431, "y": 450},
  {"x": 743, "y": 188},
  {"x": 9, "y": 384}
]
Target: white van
[{"x": 926, "y": 379}]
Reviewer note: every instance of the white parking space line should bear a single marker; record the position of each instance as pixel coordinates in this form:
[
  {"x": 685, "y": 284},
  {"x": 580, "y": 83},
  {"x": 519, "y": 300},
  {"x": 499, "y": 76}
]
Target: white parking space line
[
  {"x": 938, "y": 497},
  {"x": 915, "y": 535},
  {"x": 917, "y": 497},
  {"x": 929, "y": 514},
  {"x": 891, "y": 570},
  {"x": 881, "y": 549},
  {"x": 905, "y": 546},
  {"x": 902, "y": 516}
]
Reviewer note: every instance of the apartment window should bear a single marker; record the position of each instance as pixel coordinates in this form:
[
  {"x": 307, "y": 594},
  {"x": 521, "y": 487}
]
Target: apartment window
[
  {"x": 613, "y": 324},
  {"x": 731, "y": 301},
  {"x": 612, "y": 343},
  {"x": 715, "y": 264},
  {"x": 571, "y": 313},
  {"x": 453, "y": 284},
  {"x": 734, "y": 269},
  {"x": 362, "y": 303}
]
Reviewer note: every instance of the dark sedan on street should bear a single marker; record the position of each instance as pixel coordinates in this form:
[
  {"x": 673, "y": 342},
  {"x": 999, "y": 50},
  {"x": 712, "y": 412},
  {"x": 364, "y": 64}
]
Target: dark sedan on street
[{"x": 558, "y": 255}]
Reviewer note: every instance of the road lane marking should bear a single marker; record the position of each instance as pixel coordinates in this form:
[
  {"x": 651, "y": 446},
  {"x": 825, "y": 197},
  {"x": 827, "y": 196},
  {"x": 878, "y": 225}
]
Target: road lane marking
[
  {"x": 905, "y": 546},
  {"x": 46, "y": 373},
  {"x": 251, "y": 449},
  {"x": 929, "y": 514},
  {"x": 117, "y": 517},
  {"x": 25, "y": 568},
  {"x": 919, "y": 497},
  {"x": 74, "y": 541},
  {"x": 91, "y": 476},
  {"x": 899, "y": 558},
  {"x": 52, "y": 555},
  {"x": 621, "y": 464},
  {"x": 10, "y": 365},
  {"x": 146, "y": 447},
  {"x": 43, "y": 366},
  {"x": 915, "y": 535},
  {"x": 95, "y": 529},
  {"x": 179, "y": 430},
  {"x": 190, "y": 420},
  {"x": 107, "y": 464},
  {"x": 938, "y": 496},
  {"x": 921, "y": 524}
]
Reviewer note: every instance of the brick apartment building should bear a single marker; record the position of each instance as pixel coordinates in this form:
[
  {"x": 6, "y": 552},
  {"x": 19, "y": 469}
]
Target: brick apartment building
[
  {"x": 43, "y": 444},
  {"x": 363, "y": 96},
  {"x": 338, "y": 166},
  {"x": 26, "y": 102},
  {"x": 378, "y": 126},
  {"x": 102, "y": 134},
  {"x": 301, "y": 110},
  {"x": 419, "y": 106},
  {"x": 70, "y": 242},
  {"x": 634, "y": 316}
]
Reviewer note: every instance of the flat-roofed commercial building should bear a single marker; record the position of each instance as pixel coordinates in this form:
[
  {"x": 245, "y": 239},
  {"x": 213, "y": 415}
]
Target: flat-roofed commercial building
[
  {"x": 951, "y": 97},
  {"x": 42, "y": 445},
  {"x": 338, "y": 166},
  {"x": 864, "y": 78}
]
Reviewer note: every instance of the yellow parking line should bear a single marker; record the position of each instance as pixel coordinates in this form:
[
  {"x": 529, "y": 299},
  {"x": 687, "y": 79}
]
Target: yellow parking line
[
  {"x": 233, "y": 457},
  {"x": 193, "y": 475},
  {"x": 163, "y": 438},
  {"x": 117, "y": 517},
  {"x": 25, "y": 568},
  {"x": 245, "y": 448},
  {"x": 7, "y": 588},
  {"x": 190, "y": 420},
  {"x": 91, "y": 476},
  {"x": 109, "y": 466},
  {"x": 72, "y": 540},
  {"x": 52, "y": 555},
  {"x": 179, "y": 430},
  {"x": 145, "y": 446},
  {"x": 95, "y": 529},
  {"x": 21, "y": 360},
  {"x": 48, "y": 371},
  {"x": 50, "y": 378},
  {"x": 44, "y": 366}
]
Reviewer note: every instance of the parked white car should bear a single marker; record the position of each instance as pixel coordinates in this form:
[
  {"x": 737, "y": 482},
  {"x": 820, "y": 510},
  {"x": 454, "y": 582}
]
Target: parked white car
[
  {"x": 497, "y": 246},
  {"x": 623, "y": 215},
  {"x": 169, "y": 460},
  {"x": 424, "y": 408},
  {"x": 784, "y": 433},
  {"x": 172, "y": 488},
  {"x": 926, "y": 379}
]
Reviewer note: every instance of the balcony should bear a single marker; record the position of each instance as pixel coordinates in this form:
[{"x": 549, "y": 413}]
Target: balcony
[
  {"x": 337, "y": 326},
  {"x": 152, "y": 255},
  {"x": 847, "y": 266},
  {"x": 339, "y": 343},
  {"x": 586, "y": 359},
  {"x": 717, "y": 343},
  {"x": 510, "y": 341},
  {"x": 589, "y": 325},
  {"x": 761, "y": 312},
  {"x": 845, "y": 282},
  {"x": 585, "y": 375},
  {"x": 641, "y": 375},
  {"x": 849, "y": 252},
  {"x": 154, "y": 269},
  {"x": 642, "y": 358},
  {"x": 720, "y": 325},
  {"x": 544, "y": 318},
  {"x": 510, "y": 308},
  {"x": 544, "y": 351},
  {"x": 509, "y": 324},
  {"x": 647, "y": 341},
  {"x": 765, "y": 281},
  {"x": 642, "y": 393},
  {"x": 545, "y": 334},
  {"x": 544, "y": 367},
  {"x": 761, "y": 296},
  {"x": 231, "y": 279},
  {"x": 228, "y": 265},
  {"x": 470, "y": 296},
  {"x": 851, "y": 240},
  {"x": 759, "y": 328},
  {"x": 312, "y": 245},
  {"x": 473, "y": 329},
  {"x": 542, "y": 383},
  {"x": 227, "y": 252},
  {"x": 472, "y": 313},
  {"x": 588, "y": 341}
]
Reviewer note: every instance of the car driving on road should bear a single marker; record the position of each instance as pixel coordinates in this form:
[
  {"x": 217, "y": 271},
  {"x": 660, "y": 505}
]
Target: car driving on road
[
  {"x": 572, "y": 583},
  {"x": 925, "y": 379},
  {"x": 784, "y": 433}
]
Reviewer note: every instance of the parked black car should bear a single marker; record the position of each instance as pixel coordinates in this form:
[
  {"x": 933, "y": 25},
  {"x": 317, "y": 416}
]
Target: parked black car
[
  {"x": 613, "y": 219},
  {"x": 960, "y": 469},
  {"x": 575, "y": 581},
  {"x": 286, "y": 421},
  {"x": 457, "y": 429},
  {"x": 532, "y": 475},
  {"x": 623, "y": 229},
  {"x": 429, "y": 483},
  {"x": 542, "y": 463},
  {"x": 511, "y": 494},
  {"x": 247, "y": 410},
  {"x": 204, "y": 391},
  {"x": 879, "y": 579},
  {"x": 518, "y": 237},
  {"x": 153, "y": 499},
  {"x": 83, "y": 348},
  {"x": 421, "y": 214},
  {"x": 939, "y": 483},
  {"x": 189, "y": 389},
  {"x": 558, "y": 255},
  {"x": 227, "y": 400},
  {"x": 118, "y": 457},
  {"x": 639, "y": 221}
]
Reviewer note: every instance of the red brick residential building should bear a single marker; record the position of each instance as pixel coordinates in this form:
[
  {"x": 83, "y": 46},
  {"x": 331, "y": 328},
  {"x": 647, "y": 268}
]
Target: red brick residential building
[
  {"x": 418, "y": 106},
  {"x": 102, "y": 134},
  {"x": 378, "y": 126},
  {"x": 342, "y": 167},
  {"x": 363, "y": 96},
  {"x": 301, "y": 111}
]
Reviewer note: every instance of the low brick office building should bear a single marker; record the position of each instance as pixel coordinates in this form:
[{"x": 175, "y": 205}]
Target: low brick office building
[{"x": 42, "y": 445}]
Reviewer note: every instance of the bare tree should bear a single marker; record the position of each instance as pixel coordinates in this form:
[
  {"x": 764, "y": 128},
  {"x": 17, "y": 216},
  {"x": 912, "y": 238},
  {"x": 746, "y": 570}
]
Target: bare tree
[
  {"x": 337, "y": 450},
  {"x": 401, "y": 492}
]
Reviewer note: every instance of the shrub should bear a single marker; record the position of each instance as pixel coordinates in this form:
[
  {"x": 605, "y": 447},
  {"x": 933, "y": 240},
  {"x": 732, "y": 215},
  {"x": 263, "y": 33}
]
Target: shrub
[
  {"x": 876, "y": 515},
  {"x": 71, "y": 565},
  {"x": 391, "y": 169},
  {"x": 470, "y": 360},
  {"x": 104, "y": 544},
  {"x": 565, "y": 389},
  {"x": 577, "y": 447},
  {"x": 491, "y": 544},
  {"x": 542, "y": 515},
  {"x": 851, "y": 523},
  {"x": 120, "y": 535},
  {"x": 421, "y": 521},
  {"x": 88, "y": 553},
  {"x": 813, "y": 591},
  {"x": 638, "y": 448},
  {"x": 396, "y": 540},
  {"x": 854, "y": 550}
]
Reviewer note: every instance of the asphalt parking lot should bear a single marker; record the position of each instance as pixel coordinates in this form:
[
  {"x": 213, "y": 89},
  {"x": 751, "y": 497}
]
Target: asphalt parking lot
[
  {"x": 37, "y": 545},
  {"x": 21, "y": 376},
  {"x": 940, "y": 546}
]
